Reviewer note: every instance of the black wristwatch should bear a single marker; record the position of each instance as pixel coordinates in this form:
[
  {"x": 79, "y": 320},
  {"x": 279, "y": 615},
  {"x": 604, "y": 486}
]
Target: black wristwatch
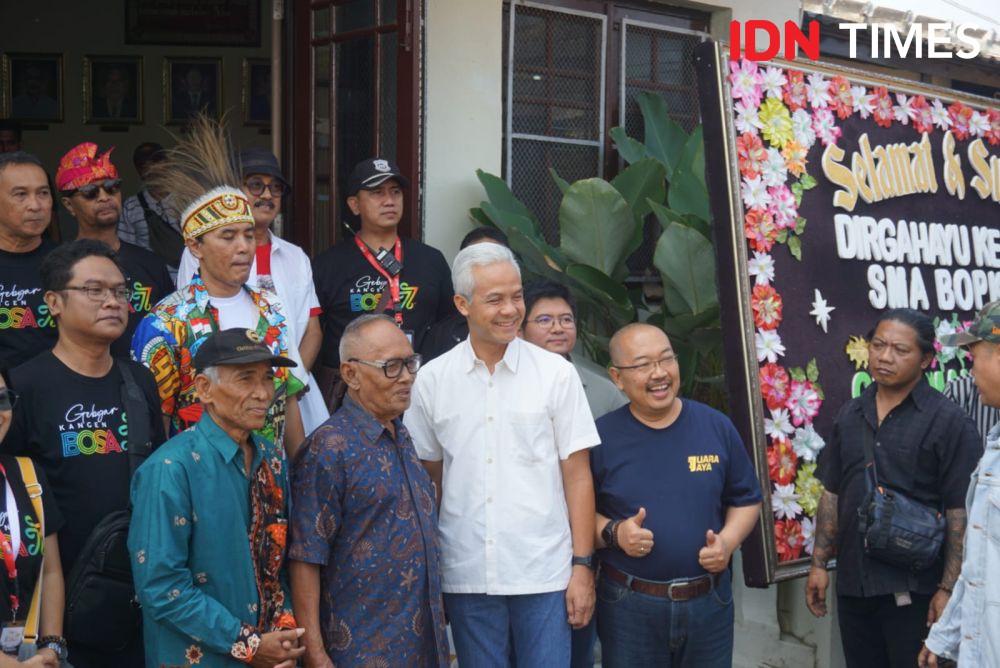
[
  {"x": 608, "y": 534},
  {"x": 587, "y": 561},
  {"x": 56, "y": 643}
]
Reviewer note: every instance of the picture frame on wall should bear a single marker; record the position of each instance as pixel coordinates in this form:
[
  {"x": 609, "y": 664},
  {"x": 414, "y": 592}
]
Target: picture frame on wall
[
  {"x": 191, "y": 85},
  {"x": 112, "y": 90},
  {"x": 32, "y": 87},
  {"x": 193, "y": 22},
  {"x": 256, "y": 91}
]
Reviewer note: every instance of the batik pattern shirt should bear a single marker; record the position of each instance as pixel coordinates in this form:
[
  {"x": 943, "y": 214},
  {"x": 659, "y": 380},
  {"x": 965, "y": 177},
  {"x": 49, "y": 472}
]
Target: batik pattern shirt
[
  {"x": 364, "y": 511},
  {"x": 168, "y": 338},
  {"x": 190, "y": 543}
]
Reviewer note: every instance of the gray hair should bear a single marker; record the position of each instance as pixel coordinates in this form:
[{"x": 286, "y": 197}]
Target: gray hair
[
  {"x": 352, "y": 333},
  {"x": 478, "y": 255},
  {"x": 212, "y": 372}
]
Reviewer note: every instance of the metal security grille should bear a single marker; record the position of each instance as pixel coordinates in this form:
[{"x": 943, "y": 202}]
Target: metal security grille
[
  {"x": 658, "y": 59},
  {"x": 554, "y": 103}
]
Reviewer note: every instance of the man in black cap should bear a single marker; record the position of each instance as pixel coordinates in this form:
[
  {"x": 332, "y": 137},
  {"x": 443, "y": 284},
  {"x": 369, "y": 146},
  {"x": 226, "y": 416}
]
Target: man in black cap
[
  {"x": 208, "y": 534},
  {"x": 377, "y": 271},
  {"x": 281, "y": 268}
]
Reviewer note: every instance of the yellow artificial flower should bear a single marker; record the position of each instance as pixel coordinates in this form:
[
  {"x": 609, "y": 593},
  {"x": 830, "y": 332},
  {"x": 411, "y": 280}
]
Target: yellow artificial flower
[{"x": 777, "y": 122}]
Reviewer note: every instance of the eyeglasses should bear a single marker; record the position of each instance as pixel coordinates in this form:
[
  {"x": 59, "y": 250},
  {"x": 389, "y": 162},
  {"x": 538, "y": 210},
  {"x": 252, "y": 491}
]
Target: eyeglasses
[
  {"x": 393, "y": 368},
  {"x": 647, "y": 367},
  {"x": 99, "y": 293},
  {"x": 8, "y": 399},
  {"x": 546, "y": 321},
  {"x": 256, "y": 187},
  {"x": 91, "y": 190}
]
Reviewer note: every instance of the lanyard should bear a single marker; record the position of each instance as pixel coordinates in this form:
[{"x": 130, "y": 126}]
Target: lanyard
[
  {"x": 11, "y": 546},
  {"x": 394, "y": 292}
]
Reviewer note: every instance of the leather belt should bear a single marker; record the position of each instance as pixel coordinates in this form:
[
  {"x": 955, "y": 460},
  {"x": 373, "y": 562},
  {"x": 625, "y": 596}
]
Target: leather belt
[{"x": 678, "y": 590}]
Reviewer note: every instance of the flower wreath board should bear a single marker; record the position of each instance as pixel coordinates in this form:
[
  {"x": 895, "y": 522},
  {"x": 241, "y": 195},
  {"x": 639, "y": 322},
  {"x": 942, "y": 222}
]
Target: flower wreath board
[{"x": 836, "y": 194}]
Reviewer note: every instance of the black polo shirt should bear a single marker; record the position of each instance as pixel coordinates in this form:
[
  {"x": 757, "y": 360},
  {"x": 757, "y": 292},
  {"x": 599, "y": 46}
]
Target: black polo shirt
[{"x": 926, "y": 448}]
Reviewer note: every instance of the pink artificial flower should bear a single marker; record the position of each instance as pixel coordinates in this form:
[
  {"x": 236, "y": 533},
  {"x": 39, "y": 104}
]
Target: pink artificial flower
[
  {"x": 751, "y": 153},
  {"x": 773, "y": 385},
  {"x": 746, "y": 80},
  {"x": 760, "y": 230},
  {"x": 803, "y": 402},
  {"x": 795, "y": 90}
]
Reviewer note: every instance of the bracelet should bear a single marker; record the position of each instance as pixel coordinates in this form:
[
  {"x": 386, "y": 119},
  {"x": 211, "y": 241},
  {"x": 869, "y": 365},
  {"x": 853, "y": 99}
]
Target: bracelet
[{"x": 945, "y": 587}]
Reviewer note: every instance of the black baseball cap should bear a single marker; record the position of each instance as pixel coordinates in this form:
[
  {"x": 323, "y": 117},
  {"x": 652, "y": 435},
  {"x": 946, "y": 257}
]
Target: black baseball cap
[
  {"x": 260, "y": 161},
  {"x": 372, "y": 173},
  {"x": 236, "y": 346}
]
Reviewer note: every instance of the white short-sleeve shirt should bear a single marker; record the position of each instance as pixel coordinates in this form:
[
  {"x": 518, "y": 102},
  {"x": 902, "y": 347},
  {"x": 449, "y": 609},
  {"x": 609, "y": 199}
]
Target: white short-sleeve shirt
[{"x": 504, "y": 524}]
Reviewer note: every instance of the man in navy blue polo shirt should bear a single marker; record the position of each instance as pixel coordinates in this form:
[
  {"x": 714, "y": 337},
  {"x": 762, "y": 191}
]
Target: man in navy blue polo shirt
[{"x": 675, "y": 469}]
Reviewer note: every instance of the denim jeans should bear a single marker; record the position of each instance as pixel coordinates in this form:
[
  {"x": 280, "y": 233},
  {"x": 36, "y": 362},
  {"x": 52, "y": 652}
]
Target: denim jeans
[
  {"x": 641, "y": 630},
  {"x": 483, "y": 626},
  {"x": 582, "y": 644}
]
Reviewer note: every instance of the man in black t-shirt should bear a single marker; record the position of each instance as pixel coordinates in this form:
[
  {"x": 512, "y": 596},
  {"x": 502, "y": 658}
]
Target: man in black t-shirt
[
  {"x": 377, "y": 271},
  {"x": 95, "y": 200},
  {"x": 71, "y": 419},
  {"x": 26, "y": 328}
]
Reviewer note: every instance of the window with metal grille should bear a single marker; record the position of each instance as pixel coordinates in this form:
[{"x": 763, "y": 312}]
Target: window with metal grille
[{"x": 573, "y": 70}]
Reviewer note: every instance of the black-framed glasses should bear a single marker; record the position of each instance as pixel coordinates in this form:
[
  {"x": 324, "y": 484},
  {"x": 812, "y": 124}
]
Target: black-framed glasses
[
  {"x": 91, "y": 190},
  {"x": 98, "y": 293},
  {"x": 256, "y": 187},
  {"x": 566, "y": 320},
  {"x": 647, "y": 367},
  {"x": 393, "y": 368},
  {"x": 8, "y": 399}
]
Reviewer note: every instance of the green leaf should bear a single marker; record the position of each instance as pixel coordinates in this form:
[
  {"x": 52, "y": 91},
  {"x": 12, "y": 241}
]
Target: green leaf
[
  {"x": 819, "y": 391},
  {"x": 686, "y": 259},
  {"x": 508, "y": 220},
  {"x": 796, "y": 373},
  {"x": 502, "y": 198},
  {"x": 664, "y": 137},
  {"x": 537, "y": 256},
  {"x": 800, "y": 225},
  {"x": 595, "y": 224},
  {"x": 560, "y": 181},
  {"x": 798, "y": 198},
  {"x": 640, "y": 183},
  {"x": 688, "y": 194},
  {"x": 782, "y": 236},
  {"x": 807, "y": 181},
  {"x": 479, "y": 216},
  {"x": 667, "y": 216},
  {"x": 692, "y": 158},
  {"x": 795, "y": 247},
  {"x": 612, "y": 293},
  {"x": 812, "y": 371},
  {"x": 797, "y": 189},
  {"x": 631, "y": 150}
]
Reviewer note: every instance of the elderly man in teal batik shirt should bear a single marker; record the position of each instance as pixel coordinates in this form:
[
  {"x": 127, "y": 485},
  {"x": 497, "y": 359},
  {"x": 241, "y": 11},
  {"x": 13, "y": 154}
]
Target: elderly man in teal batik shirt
[{"x": 209, "y": 527}]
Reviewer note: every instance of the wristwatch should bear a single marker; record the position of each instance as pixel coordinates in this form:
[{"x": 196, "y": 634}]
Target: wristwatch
[
  {"x": 608, "y": 534},
  {"x": 56, "y": 643},
  {"x": 587, "y": 561}
]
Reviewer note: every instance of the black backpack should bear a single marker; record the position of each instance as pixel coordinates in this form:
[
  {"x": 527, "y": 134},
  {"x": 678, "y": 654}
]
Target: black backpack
[{"x": 102, "y": 611}]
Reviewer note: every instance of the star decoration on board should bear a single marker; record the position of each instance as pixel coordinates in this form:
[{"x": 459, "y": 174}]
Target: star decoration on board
[{"x": 821, "y": 311}]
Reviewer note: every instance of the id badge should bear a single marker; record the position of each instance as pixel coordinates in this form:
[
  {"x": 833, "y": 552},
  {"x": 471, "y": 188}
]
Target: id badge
[{"x": 11, "y": 637}]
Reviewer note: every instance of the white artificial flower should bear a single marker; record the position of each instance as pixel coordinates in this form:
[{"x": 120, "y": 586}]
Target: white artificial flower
[
  {"x": 903, "y": 111},
  {"x": 761, "y": 267},
  {"x": 785, "y": 502},
  {"x": 747, "y": 119},
  {"x": 802, "y": 128},
  {"x": 979, "y": 124},
  {"x": 774, "y": 79},
  {"x": 773, "y": 170},
  {"x": 754, "y": 193},
  {"x": 779, "y": 425},
  {"x": 807, "y": 443},
  {"x": 769, "y": 346},
  {"x": 939, "y": 113},
  {"x": 818, "y": 91},
  {"x": 864, "y": 102},
  {"x": 808, "y": 534},
  {"x": 946, "y": 353}
]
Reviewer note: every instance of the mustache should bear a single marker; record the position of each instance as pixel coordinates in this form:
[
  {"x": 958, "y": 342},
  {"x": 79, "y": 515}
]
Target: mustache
[{"x": 263, "y": 203}]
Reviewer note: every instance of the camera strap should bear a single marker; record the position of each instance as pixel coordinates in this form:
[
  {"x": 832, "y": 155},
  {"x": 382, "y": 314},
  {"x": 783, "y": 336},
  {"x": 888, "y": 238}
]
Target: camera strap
[{"x": 393, "y": 279}]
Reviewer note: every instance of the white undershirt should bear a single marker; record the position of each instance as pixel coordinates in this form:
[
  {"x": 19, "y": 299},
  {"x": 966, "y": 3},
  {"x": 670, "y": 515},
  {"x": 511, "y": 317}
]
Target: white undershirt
[{"x": 236, "y": 311}]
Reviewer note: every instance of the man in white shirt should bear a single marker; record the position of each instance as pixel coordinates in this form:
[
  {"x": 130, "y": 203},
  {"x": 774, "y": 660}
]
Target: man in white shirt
[{"x": 504, "y": 430}]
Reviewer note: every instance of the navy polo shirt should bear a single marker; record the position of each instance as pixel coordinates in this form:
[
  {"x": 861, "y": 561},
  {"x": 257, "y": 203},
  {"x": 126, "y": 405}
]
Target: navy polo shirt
[{"x": 684, "y": 475}]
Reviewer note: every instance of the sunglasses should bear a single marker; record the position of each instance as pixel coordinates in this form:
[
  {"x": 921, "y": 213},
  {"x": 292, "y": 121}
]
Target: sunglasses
[
  {"x": 256, "y": 188},
  {"x": 91, "y": 190},
  {"x": 8, "y": 399}
]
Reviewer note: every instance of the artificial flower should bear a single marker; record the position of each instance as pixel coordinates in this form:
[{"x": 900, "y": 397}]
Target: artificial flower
[
  {"x": 993, "y": 133},
  {"x": 864, "y": 102},
  {"x": 818, "y": 91},
  {"x": 773, "y": 385},
  {"x": 923, "y": 119},
  {"x": 903, "y": 110},
  {"x": 773, "y": 80},
  {"x": 809, "y": 488},
  {"x": 769, "y": 345},
  {"x": 746, "y": 117},
  {"x": 883, "y": 112},
  {"x": 776, "y": 122},
  {"x": 943, "y": 354},
  {"x": 766, "y": 304},
  {"x": 841, "y": 97},
  {"x": 979, "y": 124},
  {"x": 750, "y": 154},
  {"x": 795, "y": 95},
  {"x": 745, "y": 80},
  {"x": 803, "y": 402},
  {"x": 773, "y": 170},
  {"x": 802, "y": 128},
  {"x": 760, "y": 230},
  {"x": 783, "y": 207},
  {"x": 940, "y": 114},
  {"x": 779, "y": 426},
  {"x": 807, "y": 443},
  {"x": 826, "y": 127},
  {"x": 808, "y": 534},
  {"x": 785, "y": 502},
  {"x": 960, "y": 116},
  {"x": 754, "y": 193},
  {"x": 761, "y": 267},
  {"x": 795, "y": 157},
  {"x": 788, "y": 539},
  {"x": 781, "y": 462}
]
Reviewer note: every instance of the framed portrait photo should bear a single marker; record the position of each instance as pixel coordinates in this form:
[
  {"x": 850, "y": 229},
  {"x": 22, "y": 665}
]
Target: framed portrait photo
[
  {"x": 256, "y": 91},
  {"x": 32, "y": 87},
  {"x": 112, "y": 89},
  {"x": 191, "y": 85}
]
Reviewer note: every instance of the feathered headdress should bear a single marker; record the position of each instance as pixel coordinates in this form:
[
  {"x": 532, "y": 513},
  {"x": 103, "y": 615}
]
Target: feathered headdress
[{"x": 201, "y": 174}]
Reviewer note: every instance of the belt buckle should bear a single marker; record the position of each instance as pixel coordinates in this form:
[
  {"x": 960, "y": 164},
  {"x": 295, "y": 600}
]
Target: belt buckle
[{"x": 670, "y": 588}]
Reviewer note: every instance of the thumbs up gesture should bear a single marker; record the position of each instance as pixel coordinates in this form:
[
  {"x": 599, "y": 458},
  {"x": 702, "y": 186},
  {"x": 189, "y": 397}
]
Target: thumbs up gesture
[
  {"x": 714, "y": 557},
  {"x": 632, "y": 538}
]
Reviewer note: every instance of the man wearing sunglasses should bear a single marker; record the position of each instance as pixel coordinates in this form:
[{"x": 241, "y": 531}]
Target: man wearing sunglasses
[
  {"x": 26, "y": 328},
  {"x": 71, "y": 417},
  {"x": 91, "y": 193},
  {"x": 282, "y": 268},
  {"x": 364, "y": 557}
]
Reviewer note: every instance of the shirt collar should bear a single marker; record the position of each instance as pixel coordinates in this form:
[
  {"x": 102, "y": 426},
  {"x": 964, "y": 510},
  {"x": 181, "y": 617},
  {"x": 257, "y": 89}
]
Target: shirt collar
[
  {"x": 217, "y": 438},
  {"x": 920, "y": 395},
  {"x": 510, "y": 358},
  {"x": 364, "y": 421}
]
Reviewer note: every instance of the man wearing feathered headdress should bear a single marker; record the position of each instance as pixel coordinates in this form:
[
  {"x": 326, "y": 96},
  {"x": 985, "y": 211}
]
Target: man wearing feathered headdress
[{"x": 218, "y": 227}]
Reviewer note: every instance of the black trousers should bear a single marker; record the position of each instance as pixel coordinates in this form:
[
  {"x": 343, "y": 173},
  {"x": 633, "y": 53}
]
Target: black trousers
[{"x": 876, "y": 633}]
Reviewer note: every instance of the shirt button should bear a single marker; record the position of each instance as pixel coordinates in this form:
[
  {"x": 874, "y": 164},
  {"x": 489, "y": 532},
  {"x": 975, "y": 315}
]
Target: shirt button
[
  {"x": 489, "y": 460},
  {"x": 489, "y": 418},
  {"x": 489, "y": 499}
]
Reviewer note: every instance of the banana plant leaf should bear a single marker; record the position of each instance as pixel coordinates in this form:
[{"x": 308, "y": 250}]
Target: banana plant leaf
[
  {"x": 609, "y": 293},
  {"x": 664, "y": 137},
  {"x": 502, "y": 198},
  {"x": 631, "y": 150},
  {"x": 595, "y": 224},
  {"x": 686, "y": 260}
]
